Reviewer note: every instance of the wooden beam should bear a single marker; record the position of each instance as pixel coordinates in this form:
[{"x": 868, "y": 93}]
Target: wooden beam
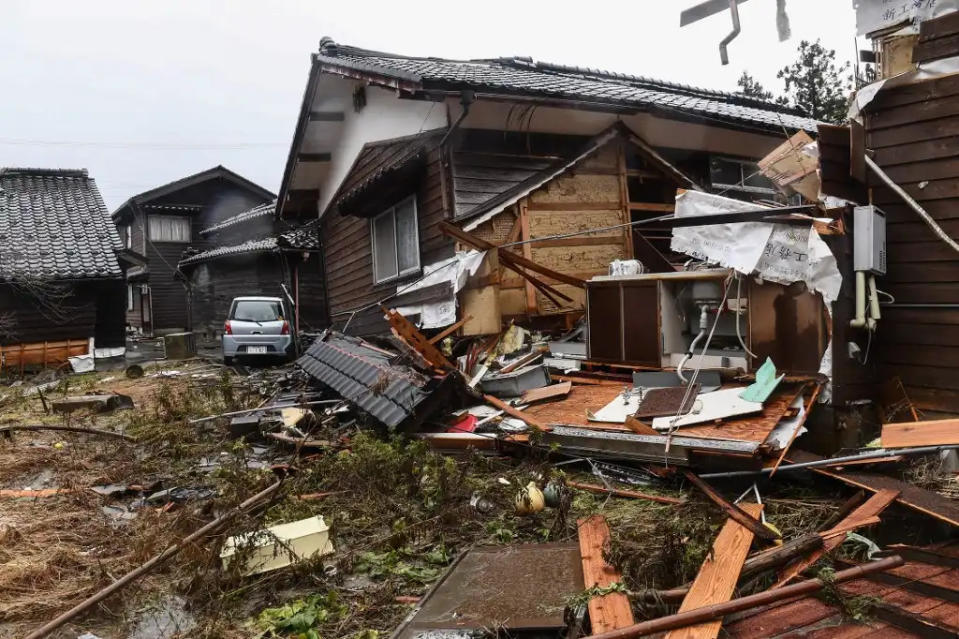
[
  {"x": 652, "y": 206},
  {"x": 313, "y": 157},
  {"x": 930, "y": 433},
  {"x": 532, "y": 305},
  {"x": 734, "y": 511},
  {"x": 610, "y": 611},
  {"x": 574, "y": 207},
  {"x": 529, "y": 420},
  {"x": 507, "y": 257},
  {"x": 632, "y": 494},
  {"x": 327, "y": 116},
  {"x": 861, "y": 515},
  {"x": 718, "y": 575},
  {"x": 449, "y": 331}
]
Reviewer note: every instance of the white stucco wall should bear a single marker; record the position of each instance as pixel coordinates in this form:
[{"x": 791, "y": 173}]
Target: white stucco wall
[{"x": 384, "y": 116}]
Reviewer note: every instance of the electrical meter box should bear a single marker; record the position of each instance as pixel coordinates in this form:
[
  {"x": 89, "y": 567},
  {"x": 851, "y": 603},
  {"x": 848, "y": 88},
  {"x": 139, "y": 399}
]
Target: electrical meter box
[{"x": 869, "y": 236}]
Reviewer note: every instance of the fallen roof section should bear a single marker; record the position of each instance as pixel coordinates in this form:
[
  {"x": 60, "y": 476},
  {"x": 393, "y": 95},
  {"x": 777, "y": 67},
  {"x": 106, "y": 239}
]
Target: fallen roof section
[{"x": 369, "y": 378}]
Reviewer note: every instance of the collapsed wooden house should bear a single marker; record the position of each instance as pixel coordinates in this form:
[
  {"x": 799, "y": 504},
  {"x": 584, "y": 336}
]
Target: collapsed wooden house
[{"x": 388, "y": 148}]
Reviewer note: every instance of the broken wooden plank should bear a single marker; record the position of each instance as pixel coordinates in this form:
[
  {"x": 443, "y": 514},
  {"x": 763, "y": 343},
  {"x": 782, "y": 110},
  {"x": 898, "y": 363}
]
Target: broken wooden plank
[
  {"x": 857, "y": 518},
  {"x": 911, "y": 496},
  {"x": 450, "y": 330},
  {"x": 610, "y": 611},
  {"x": 938, "y": 432},
  {"x": 595, "y": 488},
  {"x": 734, "y": 511},
  {"x": 529, "y": 420},
  {"x": 547, "y": 392},
  {"x": 508, "y": 258},
  {"x": 718, "y": 575},
  {"x": 792, "y": 438},
  {"x": 416, "y": 340}
]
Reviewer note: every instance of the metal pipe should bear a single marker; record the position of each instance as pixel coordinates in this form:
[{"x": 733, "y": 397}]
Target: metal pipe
[
  {"x": 834, "y": 461},
  {"x": 467, "y": 97},
  {"x": 913, "y": 204},
  {"x": 265, "y": 408},
  {"x": 734, "y": 10},
  {"x": 718, "y": 611}
]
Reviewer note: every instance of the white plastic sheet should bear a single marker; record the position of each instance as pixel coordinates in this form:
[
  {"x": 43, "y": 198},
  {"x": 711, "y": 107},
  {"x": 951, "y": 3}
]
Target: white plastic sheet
[{"x": 454, "y": 270}]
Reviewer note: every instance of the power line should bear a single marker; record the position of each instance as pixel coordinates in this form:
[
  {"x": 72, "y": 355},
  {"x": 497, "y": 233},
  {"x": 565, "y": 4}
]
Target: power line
[{"x": 153, "y": 146}]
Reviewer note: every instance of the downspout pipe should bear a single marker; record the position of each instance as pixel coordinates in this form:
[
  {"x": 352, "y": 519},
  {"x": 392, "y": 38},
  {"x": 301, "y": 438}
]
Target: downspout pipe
[
  {"x": 734, "y": 10},
  {"x": 467, "y": 97}
]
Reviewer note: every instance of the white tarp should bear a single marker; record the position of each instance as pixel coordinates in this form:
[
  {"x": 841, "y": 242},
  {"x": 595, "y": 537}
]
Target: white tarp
[
  {"x": 454, "y": 270},
  {"x": 782, "y": 253}
]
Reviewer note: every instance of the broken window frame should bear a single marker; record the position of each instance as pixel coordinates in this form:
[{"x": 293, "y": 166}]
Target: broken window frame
[
  {"x": 396, "y": 273},
  {"x": 162, "y": 227},
  {"x": 747, "y": 170}
]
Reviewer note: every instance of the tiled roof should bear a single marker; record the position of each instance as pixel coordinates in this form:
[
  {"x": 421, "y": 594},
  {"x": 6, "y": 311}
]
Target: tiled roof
[
  {"x": 256, "y": 212},
  {"x": 250, "y": 246},
  {"x": 524, "y": 76},
  {"x": 304, "y": 237},
  {"x": 365, "y": 377},
  {"x": 54, "y": 225}
]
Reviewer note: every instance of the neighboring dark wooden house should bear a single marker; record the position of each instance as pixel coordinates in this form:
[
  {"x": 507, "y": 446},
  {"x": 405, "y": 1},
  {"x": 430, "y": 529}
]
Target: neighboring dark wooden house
[
  {"x": 388, "y": 147},
  {"x": 163, "y": 222},
  {"x": 255, "y": 254},
  {"x": 60, "y": 277}
]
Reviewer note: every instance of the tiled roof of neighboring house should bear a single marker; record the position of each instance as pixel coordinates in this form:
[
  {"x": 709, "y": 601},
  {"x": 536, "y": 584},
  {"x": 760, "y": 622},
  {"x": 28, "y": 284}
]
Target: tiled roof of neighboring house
[
  {"x": 305, "y": 237},
  {"x": 250, "y": 246},
  {"x": 365, "y": 376},
  {"x": 217, "y": 172},
  {"x": 262, "y": 210},
  {"x": 54, "y": 225},
  {"x": 524, "y": 76},
  {"x": 377, "y": 159}
]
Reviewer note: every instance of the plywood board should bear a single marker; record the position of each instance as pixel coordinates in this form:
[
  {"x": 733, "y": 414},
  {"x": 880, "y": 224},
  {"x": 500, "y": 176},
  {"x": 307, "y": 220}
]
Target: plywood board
[
  {"x": 718, "y": 575},
  {"x": 572, "y": 410},
  {"x": 710, "y": 407},
  {"x": 929, "y": 433},
  {"x": 606, "y": 612},
  {"x": 547, "y": 392}
]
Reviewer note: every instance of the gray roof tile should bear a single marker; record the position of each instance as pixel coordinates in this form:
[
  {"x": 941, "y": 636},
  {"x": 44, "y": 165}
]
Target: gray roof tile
[
  {"x": 526, "y": 77},
  {"x": 54, "y": 225}
]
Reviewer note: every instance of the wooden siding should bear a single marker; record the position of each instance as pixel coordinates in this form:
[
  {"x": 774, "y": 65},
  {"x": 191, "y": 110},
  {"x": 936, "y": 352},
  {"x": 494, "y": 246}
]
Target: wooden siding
[
  {"x": 94, "y": 308},
  {"x": 914, "y": 131},
  {"x": 349, "y": 258}
]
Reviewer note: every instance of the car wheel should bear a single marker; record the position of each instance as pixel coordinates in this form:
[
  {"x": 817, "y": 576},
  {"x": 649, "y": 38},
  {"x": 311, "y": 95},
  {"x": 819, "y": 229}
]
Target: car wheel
[{"x": 227, "y": 360}]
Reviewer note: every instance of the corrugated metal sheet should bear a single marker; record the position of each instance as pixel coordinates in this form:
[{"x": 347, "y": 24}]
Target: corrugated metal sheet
[{"x": 365, "y": 377}]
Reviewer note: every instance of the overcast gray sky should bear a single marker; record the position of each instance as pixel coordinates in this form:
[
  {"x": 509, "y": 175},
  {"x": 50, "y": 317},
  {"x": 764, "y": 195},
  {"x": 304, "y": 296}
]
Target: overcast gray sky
[{"x": 144, "y": 92}]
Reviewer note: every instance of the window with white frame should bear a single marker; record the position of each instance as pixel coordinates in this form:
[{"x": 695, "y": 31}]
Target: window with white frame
[
  {"x": 169, "y": 228},
  {"x": 396, "y": 242}
]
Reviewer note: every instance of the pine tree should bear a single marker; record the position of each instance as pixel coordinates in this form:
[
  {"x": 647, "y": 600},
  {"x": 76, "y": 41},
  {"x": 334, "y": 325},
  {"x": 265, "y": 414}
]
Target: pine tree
[{"x": 816, "y": 84}]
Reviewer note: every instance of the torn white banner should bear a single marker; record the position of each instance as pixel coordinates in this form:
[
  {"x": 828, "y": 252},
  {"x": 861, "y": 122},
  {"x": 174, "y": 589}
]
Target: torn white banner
[
  {"x": 777, "y": 252},
  {"x": 454, "y": 270}
]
